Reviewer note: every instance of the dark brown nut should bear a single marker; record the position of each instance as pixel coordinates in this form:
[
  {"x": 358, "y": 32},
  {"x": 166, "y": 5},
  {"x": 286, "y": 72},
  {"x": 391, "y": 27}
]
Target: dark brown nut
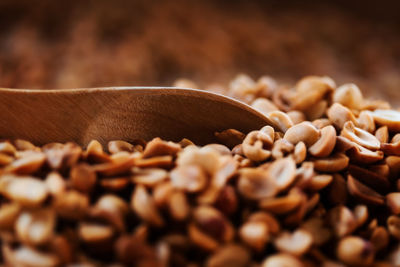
[
  {"x": 282, "y": 148},
  {"x": 363, "y": 193},
  {"x": 337, "y": 190},
  {"x": 255, "y": 234},
  {"x": 296, "y": 116},
  {"x": 149, "y": 177},
  {"x": 23, "y": 145},
  {"x": 115, "y": 183},
  {"x": 264, "y": 217},
  {"x": 119, "y": 164},
  {"x": 94, "y": 152},
  {"x": 321, "y": 123},
  {"x": 55, "y": 183},
  {"x": 393, "y": 225},
  {"x": 380, "y": 238},
  {"x": 393, "y": 202},
  {"x": 391, "y": 148},
  {"x": 387, "y": 117},
  {"x": 257, "y": 184},
  {"x": 229, "y": 255},
  {"x": 319, "y": 232},
  {"x": 342, "y": 221},
  {"x": 349, "y": 95},
  {"x": 62, "y": 248},
  {"x": 71, "y": 205},
  {"x": 361, "y": 214},
  {"x": 83, "y": 178},
  {"x": 382, "y": 134},
  {"x": 354, "y": 250},
  {"x": 382, "y": 169},
  {"x": 296, "y": 243},
  {"x": 361, "y": 155},
  {"x": 95, "y": 233},
  {"x": 205, "y": 158},
  {"x": 155, "y": 162},
  {"x": 359, "y": 136},
  {"x": 302, "y": 132},
  {"x": 264, "y": 105},
  {"x": 365, "y": 121},
  {"x": 394, "y": 165},
  {"x": 178, "y": 206},
  {"x": 119, "y": 145},
  {"x": 312, "y": 202},
  {"x": 35, "y": 227},
  {"x": 158, "y": 147},
  {"x": 318, "y": 182},
  {"x": 334, "y": 163},
  {"x": 200, "y": 239},
  {"x": 339, "y": 115},
  {"x": 281, "y": 205},
  {"x": 29, "y": 257},
  {"x": 230, "y": 137},
  {"x": 325, "y": 144},
  {"x": 369, "y": 178},
  {"x": 300, "y": 153},
  {"x": 8, "y": 215},
  {"x": 282, "y": 259},
  {"x": 7, "y": 148},
  {"x": 144, "y": 206},
  {"x": 5, "y": 159},
  {"x": 29, "y": 163},
  {"x": 255, "y": 145},
  {"x": 190, "y": 178},
  {"x": 25, "y": 190},
  {"x": 61, "y": 156},
  {"x": 227, "y": 200},
  {"x": 213, "y": 223},
  {"x": 282, "y": 121}
]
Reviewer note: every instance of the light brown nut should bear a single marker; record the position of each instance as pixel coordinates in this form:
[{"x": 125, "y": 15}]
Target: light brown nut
[
  {"x": 158, "y": 147},
  {"x": 393, "y": 202},
  {"x": 120, "y": 145},
  {"x": 155, "y": 162},
  {"x": 7, "y": 148},
  {"x": 94, "y": 152},
  {"x": 255, "y": 234},
  {"x": 296, "y": 116},
  {"x": 5, "y": 159},
  {"x": 282, "y": 121},
  {"x": 369, "y": 178},
  {"x": 161, "y": 193},
  {"x": 35, "y": 227},
  {"x": 55, "y": 183},
  {"x": 387, "y": 117},
  {"x": 337, "y": 190},
  {"x": 25, "y": 190},
  {"x": 22, "y": 145},
  {"x": 206, "y": 158},
  {"x": 393, "y": 225},
  {"x": 143, "y": 205},
  {"x": 230, "y": 137},
  {"x": 256, "y": 184},
  {"x": 349, "y": 95},
  {"x": 342, "y": 221},
  {"x": 229, "y": 255},
  {"x": 361, "y": 214},
  {"x": 334, "y": 163},
  {"x": 9, "y": 213},
  {"x": 221, "y": 149},
  {"x": 359, "y": 136},
  {"x": 264, "y": 105},
  {"x": 283, "y": 171},
  {"x": 115, "y": 183},
  {"x": 282, "y": 148},
  {"x": 190, "y": 178},
  {"x": 265, "y": 217},
  {"x": 71, "y": 205},
  {"x": 296, "y": 243},
  {"x": 282, "y": 260},
  {"x": 318, "y": 182},
  {"x": 28, "y": 164},
  {"x": 178, "y": 206},
  {"x": 95, "y": 233},
  {"x": 319, "y": 232},
  {"x": 112, "y": 203},
  {"x": 317, "y": 110},
  {"x": 185, "y": 83},
  {"x": 321, "y": 123},
  {"x": 300, "y": 153},
  {"x": 200, "y": 239},
  {"x": 256, "y": 145},
  {"x": 213, "y": 223},
  {"x": 394, "y": 165},
  {"x": 60, "y": 156},
  {"x": 365, "y": 121},
  {"x": 302, "y": 132},
  {"x": 339, "y": 115},
  {"x": 380, "y": 238},
  {"x": 325, "y": 144},
  {"x": 354, "y": 250},
  {"x": 391, "y": 148},
  {"x": 363, "y": 193},
  {"x": 118, "y": 164},
  {"x": 281, "y": 205},
  {"x": 296, "y": 217},
  {"x": 29, "y": 257},
  {"x": 149, "y": 177},
  {"x": 304, "y": 174},
  {"x": 83, "y": 178},
  {"x": 362, "y": 155},
  {"x": 243, "y": 88},
  {"x": 382, "y": 134}
]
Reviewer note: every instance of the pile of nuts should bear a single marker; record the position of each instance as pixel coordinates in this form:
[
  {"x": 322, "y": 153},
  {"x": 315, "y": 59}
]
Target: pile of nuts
[{"x": 320, "y": 187}]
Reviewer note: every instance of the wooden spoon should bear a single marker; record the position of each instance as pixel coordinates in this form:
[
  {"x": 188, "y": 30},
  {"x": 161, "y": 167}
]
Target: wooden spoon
[{"x": 125, "y": 113}]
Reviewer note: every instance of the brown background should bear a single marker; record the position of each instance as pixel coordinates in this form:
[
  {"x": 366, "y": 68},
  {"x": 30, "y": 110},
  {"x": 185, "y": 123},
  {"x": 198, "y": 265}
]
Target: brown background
[{"x": 62, "y": 44}]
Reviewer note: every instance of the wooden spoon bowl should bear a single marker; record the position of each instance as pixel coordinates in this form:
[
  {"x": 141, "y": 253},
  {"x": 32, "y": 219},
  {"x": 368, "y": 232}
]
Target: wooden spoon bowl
[{"x": 126, "y": 113}]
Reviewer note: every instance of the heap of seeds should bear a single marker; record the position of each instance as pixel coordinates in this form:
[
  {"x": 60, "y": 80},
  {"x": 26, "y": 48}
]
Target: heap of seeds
[{"x": 318, "y": 189}]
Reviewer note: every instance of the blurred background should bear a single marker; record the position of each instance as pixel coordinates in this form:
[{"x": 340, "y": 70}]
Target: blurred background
[{"x": 66, "y": 44}]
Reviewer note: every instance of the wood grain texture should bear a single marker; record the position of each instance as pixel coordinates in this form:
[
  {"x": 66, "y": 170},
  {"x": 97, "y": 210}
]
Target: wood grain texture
[{"x": 127, "y": 113}]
